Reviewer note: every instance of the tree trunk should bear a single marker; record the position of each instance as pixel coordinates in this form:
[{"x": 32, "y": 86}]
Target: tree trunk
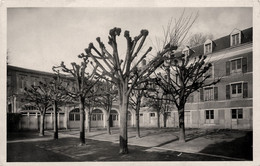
[
  {"x": 89, "y": 121},
  {"x": 108, "y": 124},
  {"x": 55, "y": 136},
  {"x": 123, "y": 106},
  {"x": 82, "y": 120},
  {"x": 108, "y": 120},
  {"x": 181, "y": 124},
  {"x": 164, "y": 119},
  {"x": 42, "y": 123},
  {"x": 138, "y": 118},
  {"x": 158, "y": 119}
]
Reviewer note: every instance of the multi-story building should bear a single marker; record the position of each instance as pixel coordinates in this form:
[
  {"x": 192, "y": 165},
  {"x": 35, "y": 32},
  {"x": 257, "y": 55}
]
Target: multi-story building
[{"x": 228, "y": 104}]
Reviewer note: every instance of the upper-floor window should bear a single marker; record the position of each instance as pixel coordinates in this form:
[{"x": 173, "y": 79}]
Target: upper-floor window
[
  {"x": 235, "y": 37},
  {"x": 208, "y": 46},
  {"x": 22, "y": 82},
  {"x": 237, "y": 90},
  {"x": 152, "y": 114},
  {"x": 186, "y": 52},
  {"x": 236, "y": 65},
  {"x": 209, "y": 94}
]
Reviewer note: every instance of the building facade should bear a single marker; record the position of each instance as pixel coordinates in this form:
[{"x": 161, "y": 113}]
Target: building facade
[{"x": 228, "y": 104}]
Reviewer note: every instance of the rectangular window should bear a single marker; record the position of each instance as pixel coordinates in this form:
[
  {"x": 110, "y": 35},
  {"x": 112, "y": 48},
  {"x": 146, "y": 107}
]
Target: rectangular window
[
  {"x": 71, "y": 117},
  {"x": 235, "y": 39},
  {"x": 236, "y": 90},
  {"x": 186, "y": 53},
  {"x": 236, "y": 65},
  {"x": 77, "y": 117},
  {"x": 114, "y": 117},
  {"x": 237, "y": 113},
  {"x": 208, "y": 48},
  {"x": 141, "y": 114},
  {"x": 152, "y": 114},
  {"x": 208, "y": 94},
  {"x": 209, "y": 116}
]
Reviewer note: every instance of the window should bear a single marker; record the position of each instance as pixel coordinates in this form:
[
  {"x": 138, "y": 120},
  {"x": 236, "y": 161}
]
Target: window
[
  {"x": 209, "y": 116},
  {"x": 114, "y": 117},
  {"x": 235, "y": 39},
  {"x": 186, "y": 53},
  {"x": 237, "y": 113},
  {"x": 209, "y": 94},
  {"x": 141, "y": 114},
  {"x": 152, "y": 114},
  {"x": 208, "y": 48},
  {"x": 236, "y": 90},
  {"x": 22, "y": 82},
  {"x": 236, "y": 65}
]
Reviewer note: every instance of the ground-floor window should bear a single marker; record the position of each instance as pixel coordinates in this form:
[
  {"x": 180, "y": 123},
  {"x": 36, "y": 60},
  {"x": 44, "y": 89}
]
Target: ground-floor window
[
  {"x": 209, "y": 116},
  {"x": 74, "y": 115},
  {"x": 97, "y": 115},
  {"x": 152, "y": 114},
  {"x": 237, "y": 113}
]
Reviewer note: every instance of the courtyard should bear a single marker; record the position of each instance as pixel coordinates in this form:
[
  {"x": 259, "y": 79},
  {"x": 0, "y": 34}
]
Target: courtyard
[{"x": 154, "y": 145}]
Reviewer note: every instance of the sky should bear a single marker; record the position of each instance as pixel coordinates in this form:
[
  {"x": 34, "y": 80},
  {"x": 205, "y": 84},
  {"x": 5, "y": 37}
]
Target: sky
[{"x": 39, "y": 38}]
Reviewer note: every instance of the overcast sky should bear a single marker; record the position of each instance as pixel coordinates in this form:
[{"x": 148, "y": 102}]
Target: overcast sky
[{"x": 38, "y": 38}]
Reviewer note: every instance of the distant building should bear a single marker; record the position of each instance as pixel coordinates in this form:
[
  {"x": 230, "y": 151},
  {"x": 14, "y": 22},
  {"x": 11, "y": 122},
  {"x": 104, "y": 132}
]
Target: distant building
[{"x": 229, "y": 104}]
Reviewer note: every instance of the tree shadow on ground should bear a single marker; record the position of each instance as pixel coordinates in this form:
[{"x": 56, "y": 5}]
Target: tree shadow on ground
[{"x": 239, "y": 148}]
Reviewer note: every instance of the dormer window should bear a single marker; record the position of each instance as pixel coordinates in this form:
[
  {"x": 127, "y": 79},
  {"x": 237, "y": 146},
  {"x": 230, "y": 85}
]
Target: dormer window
[
  {"x": 235, "y": 37},
  {"x": 187, "y": 51},
  {"x": 208, "y": 47}
]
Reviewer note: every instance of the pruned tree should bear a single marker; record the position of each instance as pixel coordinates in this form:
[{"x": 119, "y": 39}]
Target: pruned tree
[
  {"x": 39, "y": 96},
  {"x": 135, "y": 102},
  {"x": 85, "y": 80},
  {"x": 106, "y": 96},
  {"x": 121, "y": 72},
  {"x": 158, "y": 100},
  {"x": 124, "y": 73},
  {"x": 57, "y": 97},
  {"x": 185, "y": 75}
]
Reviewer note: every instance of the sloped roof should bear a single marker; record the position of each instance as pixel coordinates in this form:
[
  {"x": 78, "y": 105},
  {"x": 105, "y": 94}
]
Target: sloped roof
[{"x": 222, "y": 43}]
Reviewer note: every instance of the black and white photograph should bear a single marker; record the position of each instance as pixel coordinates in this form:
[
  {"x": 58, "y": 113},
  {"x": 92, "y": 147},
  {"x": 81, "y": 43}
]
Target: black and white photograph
[{"x": 139, "y": 83}]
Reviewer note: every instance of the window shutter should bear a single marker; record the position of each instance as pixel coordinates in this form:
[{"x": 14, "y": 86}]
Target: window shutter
[
  {"x": 227, "y": 68},
  {"x": 201, "y": 95},
  {"x": 245, "y": 90},
  {"x": 227, "y": 91},
  {"x": 215, "y": 93},
  {"x": 244, "y": 65}
]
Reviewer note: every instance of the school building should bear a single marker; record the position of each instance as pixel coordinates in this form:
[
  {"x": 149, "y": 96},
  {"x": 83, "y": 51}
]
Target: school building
[{"x": 228, "y": 104}]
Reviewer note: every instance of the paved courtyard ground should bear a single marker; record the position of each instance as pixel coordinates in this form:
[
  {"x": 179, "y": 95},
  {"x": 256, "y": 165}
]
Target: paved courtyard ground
[{"x": 154, "y": 145}]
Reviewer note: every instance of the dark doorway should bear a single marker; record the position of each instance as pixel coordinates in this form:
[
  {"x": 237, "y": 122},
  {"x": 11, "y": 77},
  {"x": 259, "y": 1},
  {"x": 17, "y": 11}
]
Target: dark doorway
[{"x": 110, "y": 121}]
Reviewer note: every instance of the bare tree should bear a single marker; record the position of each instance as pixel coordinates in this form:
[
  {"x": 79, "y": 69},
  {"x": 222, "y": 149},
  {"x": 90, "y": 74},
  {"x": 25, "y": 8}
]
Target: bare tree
[
  {"x": 135, "y": 102},
  {"x": 199, "y": 38},
  {"x": 57, "y": 96},
  {"x": 107, "y": 94},
  {"x": 185, "y": 76},
  {"x": 39, "y": 96},
  {"x": 126, "y": 75},
  {"x": 84, "y": 83}
]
